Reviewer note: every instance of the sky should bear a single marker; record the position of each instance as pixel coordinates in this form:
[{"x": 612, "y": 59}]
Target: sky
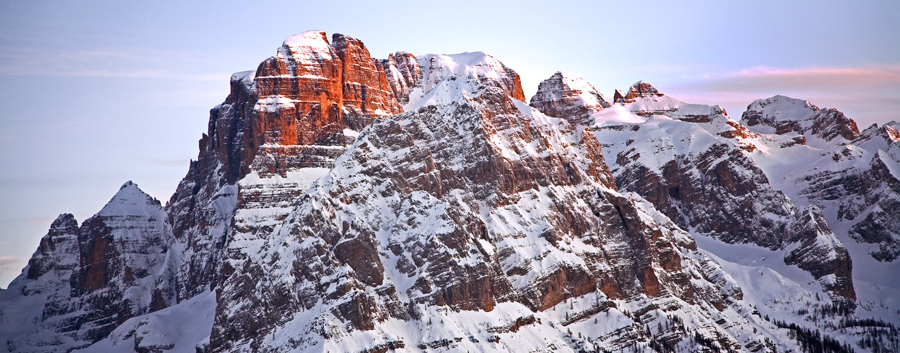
[{"x": 94, "y": 93}]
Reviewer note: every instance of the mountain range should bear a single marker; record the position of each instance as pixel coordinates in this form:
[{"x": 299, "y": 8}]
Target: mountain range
[{"x": 421, "y": 203}]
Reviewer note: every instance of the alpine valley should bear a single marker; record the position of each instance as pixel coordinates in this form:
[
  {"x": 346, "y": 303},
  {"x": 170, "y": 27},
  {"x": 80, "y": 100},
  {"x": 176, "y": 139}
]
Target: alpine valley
[{"x": 421, "y": 203}]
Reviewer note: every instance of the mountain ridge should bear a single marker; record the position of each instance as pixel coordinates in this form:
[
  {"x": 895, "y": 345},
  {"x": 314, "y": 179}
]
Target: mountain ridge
[{"x": 341, "y": 202}]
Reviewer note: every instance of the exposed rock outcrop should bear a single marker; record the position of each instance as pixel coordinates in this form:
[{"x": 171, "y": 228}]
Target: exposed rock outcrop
[
  {"x": 641, "y": 89},
  {"x": 568, "y": 97}
]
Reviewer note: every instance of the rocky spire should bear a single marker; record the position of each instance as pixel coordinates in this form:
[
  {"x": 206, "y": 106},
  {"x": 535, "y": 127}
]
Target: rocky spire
[
  {"x": 618, "y": 97},
  {"x": 568, "y": 97}
]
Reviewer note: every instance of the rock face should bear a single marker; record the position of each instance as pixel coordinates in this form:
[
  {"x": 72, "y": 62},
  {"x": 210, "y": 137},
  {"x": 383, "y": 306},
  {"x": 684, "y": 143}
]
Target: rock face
[
  {"x": 344, "y": 203},
  {"x": 860, "y": 181},
  {"x": 403, "y": 73},
  {"x": 863, "y": 190},
  {"x": 570, "y": 98},
  {"x": 366, "y": 91}
]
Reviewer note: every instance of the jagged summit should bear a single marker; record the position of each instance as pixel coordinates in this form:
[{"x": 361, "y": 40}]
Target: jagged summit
[
  {"x": 785, "y": 115},
  {"x": 641, "y": 89},
  {"x": 569, "y": 97}
]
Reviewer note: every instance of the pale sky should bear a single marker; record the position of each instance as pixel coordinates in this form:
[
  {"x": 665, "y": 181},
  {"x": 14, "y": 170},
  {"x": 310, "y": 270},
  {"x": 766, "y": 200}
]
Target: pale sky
[{"x": 98, "y": 93}]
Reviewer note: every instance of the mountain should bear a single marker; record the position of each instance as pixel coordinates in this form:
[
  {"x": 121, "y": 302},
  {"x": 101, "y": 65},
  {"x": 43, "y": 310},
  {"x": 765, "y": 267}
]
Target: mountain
[{"x": 341, "y": 203}]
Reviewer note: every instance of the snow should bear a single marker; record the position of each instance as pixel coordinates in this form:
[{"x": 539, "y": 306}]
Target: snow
[
  {"x": 273, "y": 104},
  {"x": 451, "y": 78},
  {"x": 246, "y": 78},
  {"x": 890, "y": 163},
  {"x": 654, "y": 104},
  {"x": 178, "y": 328},
  {"x": 314, "y": 39},
  {"x": 131, "y": 201},
  {"x": 617, "y": 114},
  {"x": 351, "y": 133}
]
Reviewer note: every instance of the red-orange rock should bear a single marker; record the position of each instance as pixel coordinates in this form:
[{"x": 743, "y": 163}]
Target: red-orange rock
[
  {"x": 300, "y": 94},
  {"x": 366, "y": 92}
]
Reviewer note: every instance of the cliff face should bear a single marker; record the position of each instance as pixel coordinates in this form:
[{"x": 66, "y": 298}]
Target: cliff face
[
  {"x": 367, "y": 94},
  {"x": 344, "y": 203}
]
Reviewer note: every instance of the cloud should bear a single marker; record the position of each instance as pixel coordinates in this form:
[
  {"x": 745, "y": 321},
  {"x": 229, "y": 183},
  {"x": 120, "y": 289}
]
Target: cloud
[
  {"x": 106, "y": 63},
  {"x": 866, "y": 94}
]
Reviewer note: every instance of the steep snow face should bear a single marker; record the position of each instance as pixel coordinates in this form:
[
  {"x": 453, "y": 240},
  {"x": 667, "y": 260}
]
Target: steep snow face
[
  {"x": 784, "y": 115},
  {"x": 568, "y": 97},
  {"x": 698, "y": 166},
  {"x": 85, "y": 280}
]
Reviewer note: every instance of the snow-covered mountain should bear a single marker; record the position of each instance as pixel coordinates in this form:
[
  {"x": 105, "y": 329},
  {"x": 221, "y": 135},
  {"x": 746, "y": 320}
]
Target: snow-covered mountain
[{"x": 341, "y": 203}]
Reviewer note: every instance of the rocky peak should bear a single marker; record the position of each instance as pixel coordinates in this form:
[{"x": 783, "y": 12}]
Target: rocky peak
[
  {"x": 403, "y": 73},
  {"x": 784, "y": 115},
  {"x": 618, "y": 97},
  {"x": 568, "y": 97},
  {"x": 641, "y": 89},
  {"x": 61, "y": 239},
  {"x": 131, "y": 201},
  {"x": 475, "y": 205},
  {"x": 95, "y": 276},
  {"x": 300, "y": 94}
]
